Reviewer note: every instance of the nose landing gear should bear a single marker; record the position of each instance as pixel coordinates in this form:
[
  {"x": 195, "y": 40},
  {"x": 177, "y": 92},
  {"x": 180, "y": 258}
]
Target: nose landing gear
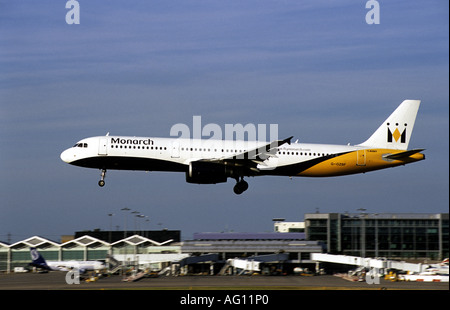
[
  {"x": 240, "y": 187},
  {"x": 101, "y": 183}
]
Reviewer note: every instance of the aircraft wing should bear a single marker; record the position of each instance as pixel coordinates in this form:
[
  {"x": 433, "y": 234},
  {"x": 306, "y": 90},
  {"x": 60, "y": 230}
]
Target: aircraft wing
[
  {"x": 261, "y": 153},
  {"x": 253, "y": 157}
]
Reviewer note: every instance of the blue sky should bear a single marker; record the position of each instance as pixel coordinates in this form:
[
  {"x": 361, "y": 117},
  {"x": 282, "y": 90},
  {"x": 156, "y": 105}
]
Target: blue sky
[{"x": 315, "y": 68}]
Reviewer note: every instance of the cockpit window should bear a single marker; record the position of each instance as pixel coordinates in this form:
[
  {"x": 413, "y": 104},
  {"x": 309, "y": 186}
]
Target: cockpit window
[{"x": 84, "y": 145}]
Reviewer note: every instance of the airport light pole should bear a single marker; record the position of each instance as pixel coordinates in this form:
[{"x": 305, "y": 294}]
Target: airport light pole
[
  {"x": 135, "y": 213},
  {"x": 376, "y": 235},
  {"x": 139, "y": 216},
  {"x": 125, "y": 222},
  {"x": 141, "y": 227},
  {"x": 110, "y": 225},
  {"x": 147, "y": 220},
  {"x": 363, "y": 232}
]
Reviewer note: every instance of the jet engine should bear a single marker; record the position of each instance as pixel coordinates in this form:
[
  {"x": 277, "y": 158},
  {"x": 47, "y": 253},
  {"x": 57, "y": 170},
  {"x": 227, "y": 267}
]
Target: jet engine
[{"x": 204, "y": 172}]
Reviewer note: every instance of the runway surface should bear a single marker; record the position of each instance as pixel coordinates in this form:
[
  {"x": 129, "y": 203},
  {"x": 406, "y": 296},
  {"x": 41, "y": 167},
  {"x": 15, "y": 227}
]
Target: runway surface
[
  {"x": 216, "y": 291},
  {"x": 57, "y": 281}
]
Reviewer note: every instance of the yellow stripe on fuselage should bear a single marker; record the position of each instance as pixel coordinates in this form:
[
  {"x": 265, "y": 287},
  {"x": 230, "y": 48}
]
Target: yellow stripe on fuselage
[{"x": 358, "y": 161}]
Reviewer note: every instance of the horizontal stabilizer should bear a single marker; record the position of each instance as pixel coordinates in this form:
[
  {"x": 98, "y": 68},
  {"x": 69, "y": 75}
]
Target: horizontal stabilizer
[{"x": 402, "y": 155}]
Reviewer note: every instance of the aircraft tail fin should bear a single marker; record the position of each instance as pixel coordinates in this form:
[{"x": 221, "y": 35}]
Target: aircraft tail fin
[
  {"x": 37, "y": 260},
  {"x": 395, "y": 132}
]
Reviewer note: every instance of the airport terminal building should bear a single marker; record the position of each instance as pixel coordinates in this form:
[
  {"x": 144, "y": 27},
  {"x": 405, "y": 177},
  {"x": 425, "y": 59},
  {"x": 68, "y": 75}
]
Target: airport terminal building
[
  {"x": 390, "y": 235},
  {"x": 397, "y": 236}
]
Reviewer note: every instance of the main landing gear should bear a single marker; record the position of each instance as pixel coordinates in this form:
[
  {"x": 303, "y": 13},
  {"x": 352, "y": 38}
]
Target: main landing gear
[
  {"x": 101, "y": 183},
  {"x": 240, "y": 187}
]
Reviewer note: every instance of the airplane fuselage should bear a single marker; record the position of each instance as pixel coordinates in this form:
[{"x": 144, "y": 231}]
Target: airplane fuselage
[
  {"x": 38, "y": 261},
  {"x": 77, "y": 265},
  {"x": 163, "y": 154}
]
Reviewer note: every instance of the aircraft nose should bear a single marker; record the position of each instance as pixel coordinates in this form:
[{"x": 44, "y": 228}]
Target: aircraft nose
[{"x": 67, "y": 156}]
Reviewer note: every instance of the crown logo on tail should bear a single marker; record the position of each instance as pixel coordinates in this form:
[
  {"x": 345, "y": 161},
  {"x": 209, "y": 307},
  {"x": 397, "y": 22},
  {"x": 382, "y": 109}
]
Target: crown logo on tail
[{"x": 396, "y": 135}]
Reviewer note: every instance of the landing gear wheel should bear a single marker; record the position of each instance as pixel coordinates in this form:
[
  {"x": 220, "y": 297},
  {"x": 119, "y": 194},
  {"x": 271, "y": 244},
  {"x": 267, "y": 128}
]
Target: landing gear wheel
[
  {"x": 101, "y": 183},
  {"x": 240, "y": 187}
]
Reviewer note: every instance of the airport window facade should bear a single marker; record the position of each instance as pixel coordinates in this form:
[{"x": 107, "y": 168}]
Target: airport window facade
[
  {"x": 82, "y": 248},
  {"x": 406, "y": 236}
]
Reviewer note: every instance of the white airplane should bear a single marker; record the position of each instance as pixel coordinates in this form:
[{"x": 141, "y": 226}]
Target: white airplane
[
  {"x": 37, "y": 260},
  {"x": 441, "y": 268},
  {"x": 209, "y": 161}
]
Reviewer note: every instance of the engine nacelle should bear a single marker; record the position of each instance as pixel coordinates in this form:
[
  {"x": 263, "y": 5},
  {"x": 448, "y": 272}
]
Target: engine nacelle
[{"x": 203, "y": 172}]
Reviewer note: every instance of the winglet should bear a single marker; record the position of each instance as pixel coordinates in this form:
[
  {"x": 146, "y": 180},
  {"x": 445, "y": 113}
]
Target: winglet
[{"x": 288, "y": 140}]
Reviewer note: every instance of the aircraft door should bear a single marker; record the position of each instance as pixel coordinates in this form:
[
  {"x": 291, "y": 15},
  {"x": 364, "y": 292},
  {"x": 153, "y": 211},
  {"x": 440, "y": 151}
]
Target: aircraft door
[
  {"x": 103, "y": 146},
  {"x": 176, "y": 149},
  {"x": 361, "y": 158}
]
